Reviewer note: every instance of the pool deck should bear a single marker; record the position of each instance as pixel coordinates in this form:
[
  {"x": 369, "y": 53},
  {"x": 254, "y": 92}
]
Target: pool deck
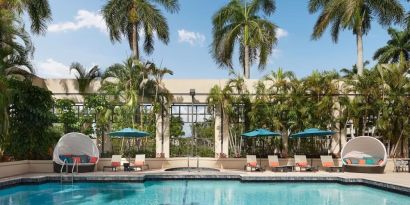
[{"x": 397, "y": 182}]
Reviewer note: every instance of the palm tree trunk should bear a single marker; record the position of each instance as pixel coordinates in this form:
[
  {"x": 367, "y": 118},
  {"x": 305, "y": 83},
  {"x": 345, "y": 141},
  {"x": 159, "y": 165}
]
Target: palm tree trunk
[
  {"x": 135, "y": 51},
  {"x": 246, "y": 70},
  {"x": 359, "y": 39}
]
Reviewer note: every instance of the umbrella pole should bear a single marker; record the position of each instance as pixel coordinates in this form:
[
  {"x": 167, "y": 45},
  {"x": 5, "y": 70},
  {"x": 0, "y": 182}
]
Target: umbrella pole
[{"x": 122, "y": 146}]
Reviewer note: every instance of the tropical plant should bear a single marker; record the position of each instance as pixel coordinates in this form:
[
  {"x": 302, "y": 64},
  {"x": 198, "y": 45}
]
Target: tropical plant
[
  {"x": 240, "y": 22},
  {"x": 85, "y": 77},
  {"x": 31, "y": 119},
  {"x": 355, "y": 15},
  {"x": 66, "y": 115},
  {"x": 397, "y": 48},
  {"x": 136, "y": 19},
  {"x": 122, "y": 81},
  {"x": 4, "y": 112},
  {"x": 38, "y": 11}
]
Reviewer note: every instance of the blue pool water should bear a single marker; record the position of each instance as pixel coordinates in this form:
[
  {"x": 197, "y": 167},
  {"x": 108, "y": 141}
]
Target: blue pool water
[{"x": 186, "y": 192}]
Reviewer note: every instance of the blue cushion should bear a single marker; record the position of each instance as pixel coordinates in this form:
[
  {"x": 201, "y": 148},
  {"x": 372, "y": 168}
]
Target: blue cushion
[
  {"x": 370, "y": 161},
  {"x": 84, "y": 158},
  {"x": 354, "y": 160}
]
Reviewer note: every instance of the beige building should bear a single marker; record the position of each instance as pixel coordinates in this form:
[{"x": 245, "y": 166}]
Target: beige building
[{"x": 180, "y": 88}]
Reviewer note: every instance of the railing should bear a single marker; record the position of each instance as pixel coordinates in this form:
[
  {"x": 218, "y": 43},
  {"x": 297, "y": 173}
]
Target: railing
[{"x": 66, "y": 177}]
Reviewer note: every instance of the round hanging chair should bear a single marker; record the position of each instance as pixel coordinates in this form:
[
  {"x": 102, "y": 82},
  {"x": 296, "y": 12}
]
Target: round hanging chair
[
  {"x": 364, "y": 155},
  {"x": 75, "y": 148}
]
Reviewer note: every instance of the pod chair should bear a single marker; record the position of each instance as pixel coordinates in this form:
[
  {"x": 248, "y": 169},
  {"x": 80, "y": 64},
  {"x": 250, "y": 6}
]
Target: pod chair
[
  {"x": 75, "y": 148},
  {"x": 364, "y": 155}
]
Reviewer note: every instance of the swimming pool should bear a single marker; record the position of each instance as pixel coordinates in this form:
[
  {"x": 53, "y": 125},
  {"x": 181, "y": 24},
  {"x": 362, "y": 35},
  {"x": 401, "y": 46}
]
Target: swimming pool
[{"x": 197, "y": 192}]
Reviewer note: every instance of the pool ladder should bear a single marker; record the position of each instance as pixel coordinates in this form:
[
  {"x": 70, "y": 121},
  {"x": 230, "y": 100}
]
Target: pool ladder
[{"x": 66, "y": 177}]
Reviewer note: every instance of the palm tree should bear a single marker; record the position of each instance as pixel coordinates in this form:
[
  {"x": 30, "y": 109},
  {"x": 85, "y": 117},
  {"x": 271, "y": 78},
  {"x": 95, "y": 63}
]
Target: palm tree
[
  {"x": 38, "y": 11},
  {"x": 158, "y": 74},
  {"x": 397, "y": 48},
  {"x": 4, "y": 113},
  {"x": 85, "y": 77},
  {"x": 240, "y": 22},
  {"x": 137, "y": 18},
  {"x": 123, "y": 81},
  {"x": 355, "y": 15}
]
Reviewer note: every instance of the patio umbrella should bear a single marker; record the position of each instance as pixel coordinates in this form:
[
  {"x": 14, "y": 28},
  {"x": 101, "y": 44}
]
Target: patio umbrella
[
  {"x": 312, "y": 132},
  {"x": 260, "y": 133},
  {"x": 128, "y": 133}
]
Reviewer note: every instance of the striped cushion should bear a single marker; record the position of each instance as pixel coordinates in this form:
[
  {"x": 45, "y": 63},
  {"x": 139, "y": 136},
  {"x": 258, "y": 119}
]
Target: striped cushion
[
  {"x": 252, "y": 164},
  {"x": 274, "y": 164},
  {"x": 328, "y": 164}
]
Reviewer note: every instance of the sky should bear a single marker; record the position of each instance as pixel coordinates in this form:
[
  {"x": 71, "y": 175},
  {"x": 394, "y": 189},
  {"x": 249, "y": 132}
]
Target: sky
[{"x": 78, "y": 33}]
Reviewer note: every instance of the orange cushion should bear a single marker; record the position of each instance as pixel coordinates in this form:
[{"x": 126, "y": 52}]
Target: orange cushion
[
  {"x": 115, "y": 164},
  {"x": 302, "y": 164},
  {"x": 380, "y": 162},
  {"x": 252, "y": 164},
  {"x": 138, "y": 163},
  {"x": 93, "y": 159},
  {"x": 274, "y": 164},
  {"x": 362, "y": 161},
  {"x": 328, "y": 164},
  {"x": 77, "y": 159}
]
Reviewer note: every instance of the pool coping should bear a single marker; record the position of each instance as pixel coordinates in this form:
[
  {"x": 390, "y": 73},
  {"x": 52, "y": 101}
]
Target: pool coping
[{"x": 23, "y": 180}]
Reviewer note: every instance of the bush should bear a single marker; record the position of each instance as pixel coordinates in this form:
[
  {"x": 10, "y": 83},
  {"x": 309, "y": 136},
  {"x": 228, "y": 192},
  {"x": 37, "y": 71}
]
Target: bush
[{"x": 31, "y": 134}]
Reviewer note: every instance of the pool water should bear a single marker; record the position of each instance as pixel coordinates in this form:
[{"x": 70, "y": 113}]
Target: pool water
[{"x": 189, "y": 192}]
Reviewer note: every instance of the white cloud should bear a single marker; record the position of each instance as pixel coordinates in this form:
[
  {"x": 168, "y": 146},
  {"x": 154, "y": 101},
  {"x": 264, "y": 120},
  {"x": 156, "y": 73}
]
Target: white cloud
[
  {"x": 281, "y": 33},
  {"x": 53, "y": 69},
  {"x": 193, "y": 38},
  {"x": 83, "y": 19}
]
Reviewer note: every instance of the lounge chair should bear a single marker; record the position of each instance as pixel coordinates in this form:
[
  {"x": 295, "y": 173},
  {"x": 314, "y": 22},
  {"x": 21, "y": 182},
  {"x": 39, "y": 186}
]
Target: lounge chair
[
  {"x": 115, "y": 163},
  {"x": 400, "y": 165},
  {"x": 252, "y": 163},
  {"x": 139, "y": 162},
  {"x": 329, "y": 164},
  {"x": 302, "y": 163},
  {"x": 274, "y": 164}
]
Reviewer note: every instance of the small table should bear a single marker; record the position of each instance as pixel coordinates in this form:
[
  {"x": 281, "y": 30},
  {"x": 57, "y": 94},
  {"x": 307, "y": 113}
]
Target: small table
[{"x": 127, "y": 167}]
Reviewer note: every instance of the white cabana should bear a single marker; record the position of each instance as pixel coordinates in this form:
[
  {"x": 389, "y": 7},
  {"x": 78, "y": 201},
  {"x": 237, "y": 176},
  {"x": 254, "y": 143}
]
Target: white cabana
[
  {"x": 75, "y": 147},
  {"x": 364, "y": 154}
]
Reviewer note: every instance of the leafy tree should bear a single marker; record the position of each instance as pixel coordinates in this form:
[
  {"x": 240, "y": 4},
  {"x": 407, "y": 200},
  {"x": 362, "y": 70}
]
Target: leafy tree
[
  {"x": 122, "y": 81},
  {"x": 240, "y": 22},
  {"x": 176, "y": 127},
  {"x": 397, "y": 48},
  {"x": 85, "y": 77},
  {"x": 39, "y": 12},
  {"x": 355, "y": 15},
  {"x": 4, "y": 114},
  {"x": 31, "y": 136},
  {"x": 66, "y": 115},
  {"x": 128, "y": 19}
]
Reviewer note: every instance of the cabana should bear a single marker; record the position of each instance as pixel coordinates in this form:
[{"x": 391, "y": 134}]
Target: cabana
[
  {"x": 75, "y": 148},
  {"x": 364, "y": 155}
]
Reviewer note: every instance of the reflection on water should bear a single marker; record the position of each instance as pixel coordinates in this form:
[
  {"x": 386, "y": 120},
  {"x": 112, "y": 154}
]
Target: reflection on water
[{"x": 198, "y": 193}]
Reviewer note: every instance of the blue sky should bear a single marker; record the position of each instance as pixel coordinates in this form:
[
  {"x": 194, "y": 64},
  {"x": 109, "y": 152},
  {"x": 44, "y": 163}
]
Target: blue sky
[{"x": 78, "y": 33}]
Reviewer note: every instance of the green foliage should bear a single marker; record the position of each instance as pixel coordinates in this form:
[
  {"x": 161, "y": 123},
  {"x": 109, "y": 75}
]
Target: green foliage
[
  {"x": 397, "y": 48},
  {"x": 31, "y": 135},
  {"x": 66, "y": 115},
  {"x": 240, "y": 22},
  {"x": 176, "y": 127},
  {"x": 85, "y": 77}
]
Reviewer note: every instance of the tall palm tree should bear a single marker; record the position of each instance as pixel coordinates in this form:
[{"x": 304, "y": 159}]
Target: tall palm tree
[
  {"x": 158, "y": 74},
  {"x": 137, "y": 18},
  {"x": 397, "y": 48},
  {"x": 240, "y": 22},
  {"x": 85, "y": 77},
  {"x": 38, "y": 11},
  {"x": 355, "y": 15},
  {"x": 123, "y": 81}
]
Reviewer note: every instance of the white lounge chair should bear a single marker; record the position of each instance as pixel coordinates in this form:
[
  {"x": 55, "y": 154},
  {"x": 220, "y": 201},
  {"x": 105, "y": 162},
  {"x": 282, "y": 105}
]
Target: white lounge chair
[
  {"x": 252, "y": 163},
  {"x": 329, "y": 164},
  {"x": 275, "y": 165},
  {"x": 302, "y": 163},
  {"x": 115, "y": 163},
  {"x": 140, "y": 162}
]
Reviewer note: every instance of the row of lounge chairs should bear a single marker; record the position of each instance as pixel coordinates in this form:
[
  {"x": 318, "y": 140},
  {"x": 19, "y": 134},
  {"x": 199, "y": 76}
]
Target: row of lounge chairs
[
  {"x": 300, "y": 162},
  {"x": 117, "y": 161}
]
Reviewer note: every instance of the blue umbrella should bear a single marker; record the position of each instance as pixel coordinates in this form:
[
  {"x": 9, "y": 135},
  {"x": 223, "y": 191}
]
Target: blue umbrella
[
  {"x": 129, "y": 132},
  {"x": 260, "y": 133},
  {"x": 312, "y": 132}
]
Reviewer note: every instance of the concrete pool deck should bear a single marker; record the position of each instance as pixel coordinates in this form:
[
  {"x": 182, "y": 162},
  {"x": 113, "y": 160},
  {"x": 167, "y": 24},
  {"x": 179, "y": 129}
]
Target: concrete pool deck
[{"x": 397, "y": 182}]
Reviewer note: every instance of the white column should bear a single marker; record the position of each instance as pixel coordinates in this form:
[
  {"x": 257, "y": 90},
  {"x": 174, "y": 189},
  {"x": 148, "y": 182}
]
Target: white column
[
  {"x": 221, "y": 135},
  {"x": 162, "y": 135}
]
